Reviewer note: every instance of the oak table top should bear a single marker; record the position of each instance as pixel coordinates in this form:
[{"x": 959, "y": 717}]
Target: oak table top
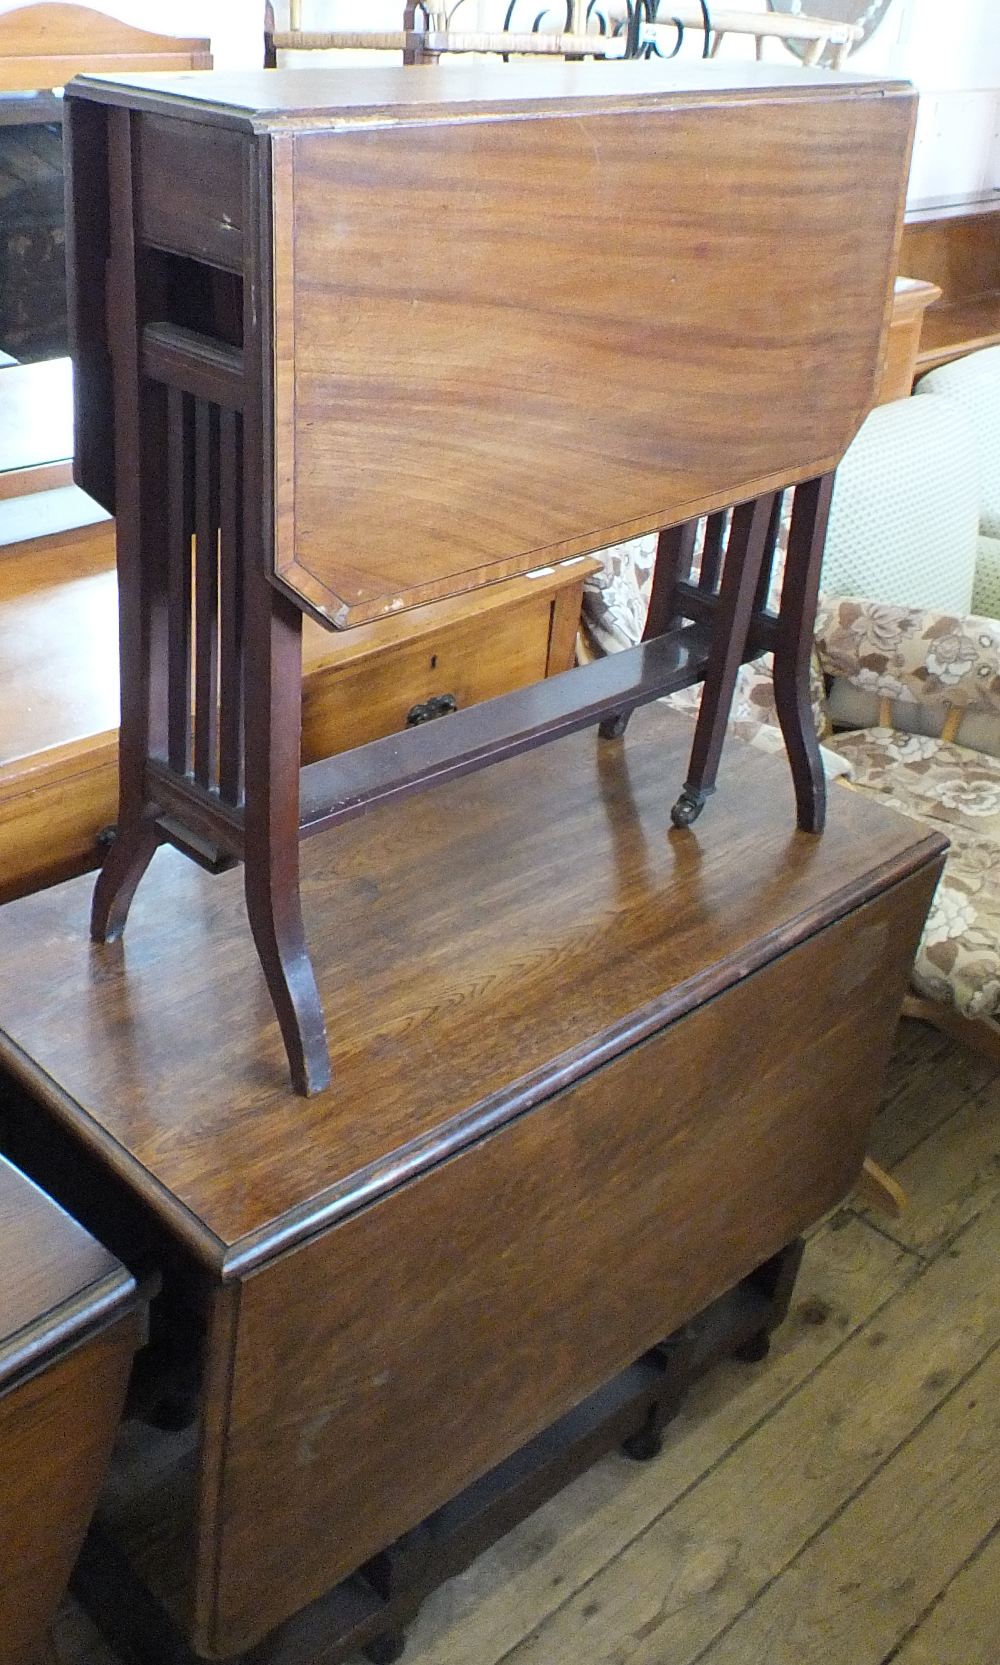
[{"x": 477, "y": 949}]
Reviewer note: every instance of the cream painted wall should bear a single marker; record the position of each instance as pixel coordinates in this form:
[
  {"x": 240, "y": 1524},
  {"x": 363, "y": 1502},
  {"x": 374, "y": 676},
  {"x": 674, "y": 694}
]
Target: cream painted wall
[{"x": 950, "y": 49}]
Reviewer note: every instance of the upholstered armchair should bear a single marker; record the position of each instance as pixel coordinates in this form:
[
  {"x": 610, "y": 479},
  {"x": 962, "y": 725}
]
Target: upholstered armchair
[{"x": 934, "y": 754}]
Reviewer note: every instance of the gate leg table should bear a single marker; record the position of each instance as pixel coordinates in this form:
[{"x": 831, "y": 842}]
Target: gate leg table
[{"x": 590, "y": 1077}]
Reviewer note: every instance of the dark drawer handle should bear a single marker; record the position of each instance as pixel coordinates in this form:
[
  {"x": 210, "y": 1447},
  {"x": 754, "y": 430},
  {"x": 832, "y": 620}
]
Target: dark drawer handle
[{"x": 439, "y": 705}]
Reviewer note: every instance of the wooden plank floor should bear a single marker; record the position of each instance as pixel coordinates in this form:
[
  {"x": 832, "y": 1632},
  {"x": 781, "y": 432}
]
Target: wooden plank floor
[{"x": 837, "y": 1504}]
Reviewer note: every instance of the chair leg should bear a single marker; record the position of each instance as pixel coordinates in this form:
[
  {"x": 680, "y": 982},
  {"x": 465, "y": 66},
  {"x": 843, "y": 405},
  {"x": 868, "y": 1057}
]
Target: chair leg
[
  {"x": 980, "y": 1035},
  {"x": 880, "y": 1191},
  {"x": 793, "y": 650},
  {"x": 744, "y": 557}
]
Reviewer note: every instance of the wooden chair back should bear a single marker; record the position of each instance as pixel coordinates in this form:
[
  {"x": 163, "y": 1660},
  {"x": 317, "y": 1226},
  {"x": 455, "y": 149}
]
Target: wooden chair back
[{"x": 44, "y": 46}]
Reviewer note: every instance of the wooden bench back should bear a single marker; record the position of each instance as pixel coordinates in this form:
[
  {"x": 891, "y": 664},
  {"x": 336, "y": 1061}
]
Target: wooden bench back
[{"x": 44, "y": 46}]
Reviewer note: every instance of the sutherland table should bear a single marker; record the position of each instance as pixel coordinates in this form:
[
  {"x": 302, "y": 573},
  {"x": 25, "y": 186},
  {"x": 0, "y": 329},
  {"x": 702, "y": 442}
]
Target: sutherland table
[
  {"x": 381, "y": 337},
  {"x": 589, "y": 1074}
]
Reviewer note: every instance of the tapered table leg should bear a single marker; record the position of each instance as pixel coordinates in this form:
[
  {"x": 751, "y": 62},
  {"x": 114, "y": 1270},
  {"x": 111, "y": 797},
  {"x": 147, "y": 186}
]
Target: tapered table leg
[
  {"x": 793, "y": 650},
  {"x": 271, "y": 848},
  {"x": 744, "y": 558}
]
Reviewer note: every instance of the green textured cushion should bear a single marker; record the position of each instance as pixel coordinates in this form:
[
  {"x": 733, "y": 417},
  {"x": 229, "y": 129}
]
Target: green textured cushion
[
  {"x": 905, "y": 513},
  {"x": 986, "y": 592},
  {"x": 973, "y": 384}
]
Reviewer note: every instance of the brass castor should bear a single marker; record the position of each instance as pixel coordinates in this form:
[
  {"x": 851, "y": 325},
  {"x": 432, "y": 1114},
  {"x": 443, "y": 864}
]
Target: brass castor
[
  {"x": 687, "y": 808},
  {"x": 385, "y": 1650},
  {"x": 645, "y": 1444},
  {"x": 613, "y": 728},
  {"x": 754, "y": 1349}
]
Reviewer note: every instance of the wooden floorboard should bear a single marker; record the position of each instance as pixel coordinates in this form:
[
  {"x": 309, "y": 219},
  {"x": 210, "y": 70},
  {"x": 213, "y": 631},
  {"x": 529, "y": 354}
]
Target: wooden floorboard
[
  {"x": 928, "y": 1508},
  {"x": 838, "y": 1502},
  {"x": 961, "y": 1622}
]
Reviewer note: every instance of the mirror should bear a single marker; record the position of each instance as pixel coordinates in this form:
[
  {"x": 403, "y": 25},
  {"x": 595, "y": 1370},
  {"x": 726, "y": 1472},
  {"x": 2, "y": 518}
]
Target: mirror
[{"x": 32, "y": 237}]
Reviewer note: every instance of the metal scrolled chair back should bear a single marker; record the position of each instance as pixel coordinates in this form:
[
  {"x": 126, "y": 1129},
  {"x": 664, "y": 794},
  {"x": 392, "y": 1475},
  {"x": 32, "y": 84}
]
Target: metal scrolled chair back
[{"x": 571, "y": 29}]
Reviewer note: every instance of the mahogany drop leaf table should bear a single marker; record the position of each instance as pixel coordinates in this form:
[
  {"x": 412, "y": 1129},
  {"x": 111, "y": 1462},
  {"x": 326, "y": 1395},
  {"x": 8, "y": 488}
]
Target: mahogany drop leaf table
[{"x": 347, "y": 342}]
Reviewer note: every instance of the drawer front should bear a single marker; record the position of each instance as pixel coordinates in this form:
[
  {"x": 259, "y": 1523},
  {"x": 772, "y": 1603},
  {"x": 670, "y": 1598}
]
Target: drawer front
[
  {"x": 51, "y": 815},
  {"x": 190, "y": 197},
  {"x": 472, "y": 659},
  {"x": 381, "y": 1367}
]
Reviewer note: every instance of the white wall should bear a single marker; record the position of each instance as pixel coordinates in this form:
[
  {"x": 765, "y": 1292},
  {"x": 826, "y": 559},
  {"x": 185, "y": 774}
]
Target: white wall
[{"x": 949, "y": 48}]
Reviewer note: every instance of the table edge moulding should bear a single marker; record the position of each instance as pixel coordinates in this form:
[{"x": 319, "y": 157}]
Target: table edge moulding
[{"x": 311, "y": 404}]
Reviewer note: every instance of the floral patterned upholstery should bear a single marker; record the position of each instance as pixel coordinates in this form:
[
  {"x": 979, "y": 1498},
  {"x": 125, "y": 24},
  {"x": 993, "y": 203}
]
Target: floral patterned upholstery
[
  {"x": 616, "y": 598},
  {"x": 911, "y": 657},
  {"x": 929, "y": 665},
  {"x": 615, "y": 601},
  {"x": 957, "y": 791}
]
